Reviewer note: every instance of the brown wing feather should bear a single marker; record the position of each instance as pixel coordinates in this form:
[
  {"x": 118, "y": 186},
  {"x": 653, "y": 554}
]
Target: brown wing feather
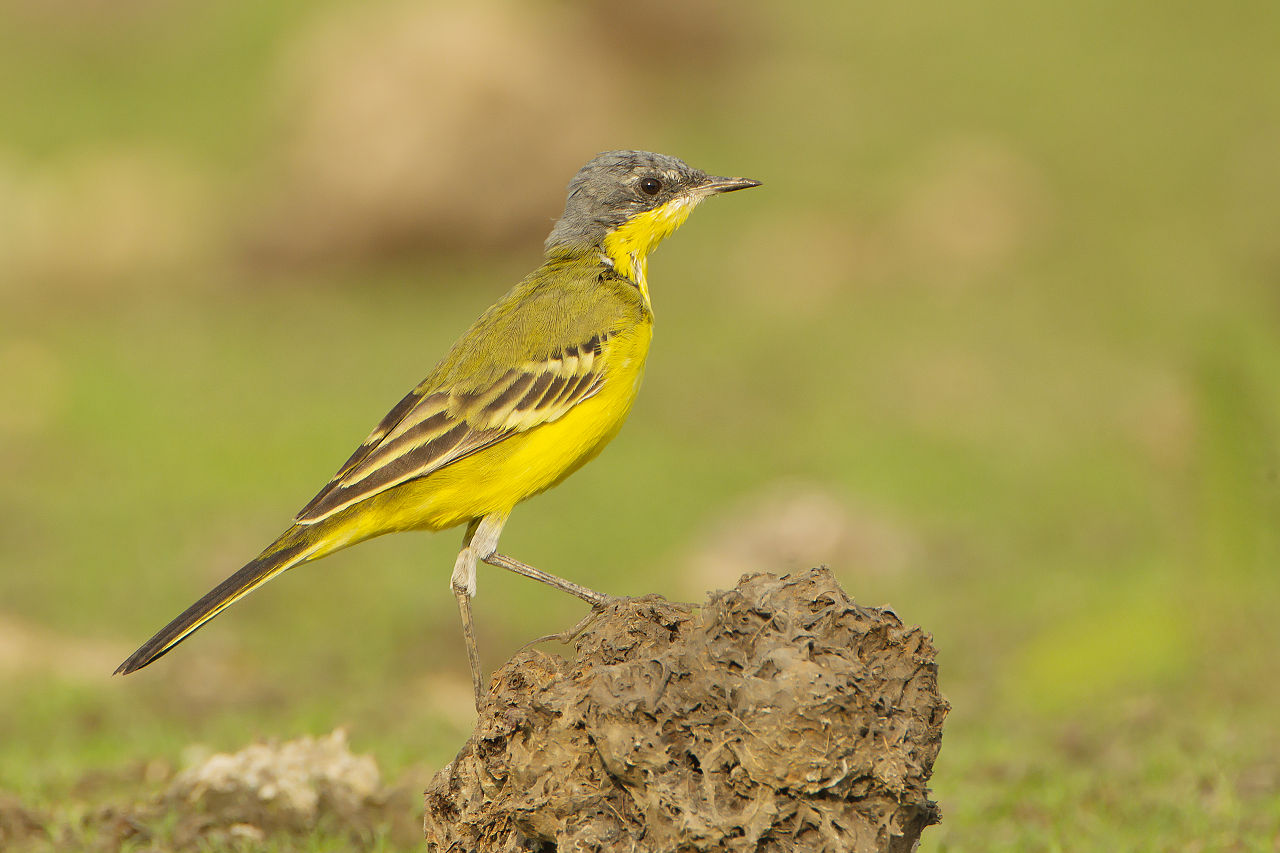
[
  {"x": 388, "y": 422},
  {"x": 425, "y": 432}
]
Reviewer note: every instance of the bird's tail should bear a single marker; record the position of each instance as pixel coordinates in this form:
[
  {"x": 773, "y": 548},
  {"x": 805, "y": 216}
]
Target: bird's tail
[{"x": 296, "y": 545}]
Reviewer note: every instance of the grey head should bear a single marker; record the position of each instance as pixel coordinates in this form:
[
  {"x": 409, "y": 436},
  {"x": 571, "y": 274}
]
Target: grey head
[{"x": 616, "y": 185}]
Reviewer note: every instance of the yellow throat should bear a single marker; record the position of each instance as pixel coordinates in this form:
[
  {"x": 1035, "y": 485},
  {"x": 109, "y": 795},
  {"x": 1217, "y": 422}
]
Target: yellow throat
[{"x": 629, "y": 245}]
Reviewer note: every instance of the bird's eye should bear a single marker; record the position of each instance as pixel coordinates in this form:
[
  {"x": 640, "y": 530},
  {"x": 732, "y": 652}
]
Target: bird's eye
[{"x": 650, "y": 186}]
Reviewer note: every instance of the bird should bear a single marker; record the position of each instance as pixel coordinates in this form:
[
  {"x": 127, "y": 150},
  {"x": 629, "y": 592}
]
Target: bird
[{"x": 534, "y": 389}]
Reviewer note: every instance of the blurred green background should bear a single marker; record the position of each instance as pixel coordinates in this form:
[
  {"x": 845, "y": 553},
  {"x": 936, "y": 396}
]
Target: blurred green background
[{"x": 999, "y": 341}]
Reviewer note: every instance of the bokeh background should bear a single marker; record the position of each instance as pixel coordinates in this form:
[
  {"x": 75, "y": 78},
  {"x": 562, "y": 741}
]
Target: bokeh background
[{"x": 998, "y": 340}]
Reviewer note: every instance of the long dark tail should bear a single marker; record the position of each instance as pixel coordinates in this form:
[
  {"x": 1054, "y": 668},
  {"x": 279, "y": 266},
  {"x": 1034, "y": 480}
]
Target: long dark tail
[{"x": 295, "y": 546}]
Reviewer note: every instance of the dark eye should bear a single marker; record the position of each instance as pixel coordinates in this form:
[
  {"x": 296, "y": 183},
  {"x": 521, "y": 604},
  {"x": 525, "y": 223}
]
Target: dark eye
[{"x": 650, "y": 186}]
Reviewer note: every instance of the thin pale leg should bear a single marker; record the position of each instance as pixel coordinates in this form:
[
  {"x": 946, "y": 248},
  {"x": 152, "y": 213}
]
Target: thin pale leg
[
  {"x": 480, "y": 544},
  {"x": 502, "y": 561},
  {"x": 473, "y": 653},
  {"x": 481, "y": 537}
]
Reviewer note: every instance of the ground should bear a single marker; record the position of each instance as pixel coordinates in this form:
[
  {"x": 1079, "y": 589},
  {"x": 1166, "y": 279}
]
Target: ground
[{"x": 997, "y": 340}]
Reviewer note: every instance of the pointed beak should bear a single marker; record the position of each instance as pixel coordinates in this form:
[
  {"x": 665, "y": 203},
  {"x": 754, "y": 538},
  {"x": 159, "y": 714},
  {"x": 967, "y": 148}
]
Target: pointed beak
[{"x": 715, "y": 185}]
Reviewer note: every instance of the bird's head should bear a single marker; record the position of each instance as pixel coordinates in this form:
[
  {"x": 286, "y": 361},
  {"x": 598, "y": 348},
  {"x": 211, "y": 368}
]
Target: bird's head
[{"x": 624, "y": 203}]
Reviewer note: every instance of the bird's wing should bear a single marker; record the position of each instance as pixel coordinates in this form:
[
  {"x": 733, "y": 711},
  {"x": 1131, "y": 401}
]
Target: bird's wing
[{"x": 430, "y": 429}]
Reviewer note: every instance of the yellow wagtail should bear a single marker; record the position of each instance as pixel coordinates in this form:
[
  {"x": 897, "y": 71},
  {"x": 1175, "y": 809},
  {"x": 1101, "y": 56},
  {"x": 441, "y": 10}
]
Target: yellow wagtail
[{"x": 533, "y": 390}]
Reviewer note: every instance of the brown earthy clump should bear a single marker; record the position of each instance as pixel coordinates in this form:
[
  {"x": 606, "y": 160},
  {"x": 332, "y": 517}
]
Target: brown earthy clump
[{"x": 778, "y": 716}]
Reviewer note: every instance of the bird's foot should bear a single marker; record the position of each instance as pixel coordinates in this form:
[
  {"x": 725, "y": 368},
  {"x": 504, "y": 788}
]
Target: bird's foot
[{"x": 597, "y": 608}]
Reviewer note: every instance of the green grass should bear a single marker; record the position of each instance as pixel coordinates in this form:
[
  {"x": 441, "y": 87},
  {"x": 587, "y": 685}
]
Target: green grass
[{"x": 1011, "y": 284}]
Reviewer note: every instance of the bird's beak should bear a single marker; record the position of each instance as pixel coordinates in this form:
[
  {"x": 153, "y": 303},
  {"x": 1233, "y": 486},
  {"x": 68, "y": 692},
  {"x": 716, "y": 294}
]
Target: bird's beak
[{"x": 715, "y": 185}]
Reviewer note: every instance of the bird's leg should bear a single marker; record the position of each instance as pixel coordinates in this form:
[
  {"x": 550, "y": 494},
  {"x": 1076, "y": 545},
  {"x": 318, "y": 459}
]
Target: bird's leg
[
  {"x": 481, "y": 536},
  {"x": 480, "y": 544},
  {"x": 502, "y": 561}
]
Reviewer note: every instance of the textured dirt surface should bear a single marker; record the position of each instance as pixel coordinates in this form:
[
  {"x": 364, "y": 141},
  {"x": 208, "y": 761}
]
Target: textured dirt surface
[
  {"x": 18, "y": 823},
  {"x": 778, "y": 716}
]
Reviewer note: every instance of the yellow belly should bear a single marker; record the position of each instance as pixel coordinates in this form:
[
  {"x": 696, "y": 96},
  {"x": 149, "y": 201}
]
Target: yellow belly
[{"x": 499, "y": 477}]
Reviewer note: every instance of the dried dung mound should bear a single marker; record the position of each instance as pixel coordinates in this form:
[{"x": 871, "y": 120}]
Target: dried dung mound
[
  {"x": 779, "y": 716},
  {"x": 272, "y": 787},
  {"x": 276, "y": 795}
]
